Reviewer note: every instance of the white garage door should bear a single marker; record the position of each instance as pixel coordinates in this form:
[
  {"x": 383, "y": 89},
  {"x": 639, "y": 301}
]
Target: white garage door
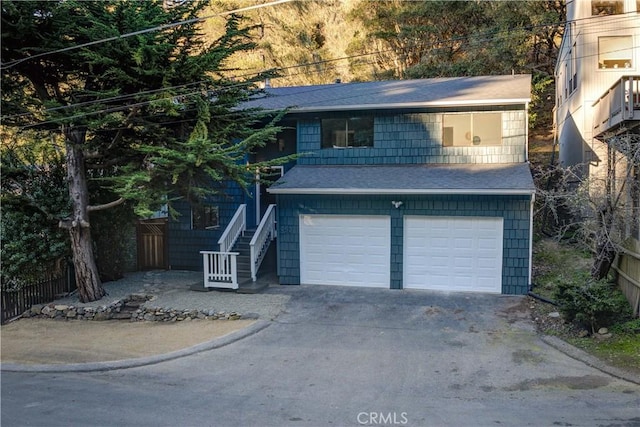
[
  {"x": 453, "y": 253},
  {"x": 345, "y": 250}
]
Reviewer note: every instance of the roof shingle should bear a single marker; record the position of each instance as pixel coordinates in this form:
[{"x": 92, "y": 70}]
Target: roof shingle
[
  {"x": 512, "y": 178},
  {"x": 437, "y": 92}
]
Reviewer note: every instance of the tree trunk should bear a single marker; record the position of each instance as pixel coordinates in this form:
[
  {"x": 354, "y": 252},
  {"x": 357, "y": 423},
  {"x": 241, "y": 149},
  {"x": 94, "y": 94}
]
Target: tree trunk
[
  {"x": 87, "y": 278},
  {"x": 86, "y": 271},
  {"x": 605, "y": 254}
]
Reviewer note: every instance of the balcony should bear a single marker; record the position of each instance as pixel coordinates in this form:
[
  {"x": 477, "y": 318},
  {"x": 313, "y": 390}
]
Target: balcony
[{"x": 618, "y": 109}]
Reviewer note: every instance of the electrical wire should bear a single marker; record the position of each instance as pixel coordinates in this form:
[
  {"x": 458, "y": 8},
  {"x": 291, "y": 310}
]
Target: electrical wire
[
  {"x": 492, "y": 36},
  {"x": 139, "y": 32}
]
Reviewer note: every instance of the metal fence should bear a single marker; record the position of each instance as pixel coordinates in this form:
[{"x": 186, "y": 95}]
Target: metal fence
[{"x": 16, "y": 301}]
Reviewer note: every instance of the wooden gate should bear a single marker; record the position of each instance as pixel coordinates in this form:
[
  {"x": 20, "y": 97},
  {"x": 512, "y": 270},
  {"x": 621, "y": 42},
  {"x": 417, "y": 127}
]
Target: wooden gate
[{"x": 153, "y": 249}]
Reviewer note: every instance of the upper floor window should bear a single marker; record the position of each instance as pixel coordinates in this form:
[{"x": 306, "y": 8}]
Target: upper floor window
[
  {"x": 615, "y": 52},
  {"x": 573, "y": 71},
  {"x": 347, "y": 132},
  {"x": 471, "y": 129},
  {"x": 607, "y": 7},
  {"x": 204, "y": 217}
]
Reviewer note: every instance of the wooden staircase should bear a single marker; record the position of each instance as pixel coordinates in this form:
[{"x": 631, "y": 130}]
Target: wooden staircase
[
  {"x": 245, "y": 283},
  {"x": 244, "y": 258},
  {"x": 235, "y": 266}
]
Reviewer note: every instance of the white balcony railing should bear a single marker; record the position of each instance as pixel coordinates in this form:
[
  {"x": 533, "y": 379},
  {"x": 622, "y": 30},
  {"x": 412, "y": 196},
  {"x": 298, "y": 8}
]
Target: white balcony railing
[
  {"x": 236, "y": 227},
  {"x": 263, "y": 236},
  {"x": 618, "y": 104},
  {"x": 220, "y": 269}
]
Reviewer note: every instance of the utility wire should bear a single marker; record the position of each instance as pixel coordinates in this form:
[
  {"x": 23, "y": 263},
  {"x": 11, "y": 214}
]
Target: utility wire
[
  {"x": 137, "y": 33},
  {"x": 492, "y": 36}
]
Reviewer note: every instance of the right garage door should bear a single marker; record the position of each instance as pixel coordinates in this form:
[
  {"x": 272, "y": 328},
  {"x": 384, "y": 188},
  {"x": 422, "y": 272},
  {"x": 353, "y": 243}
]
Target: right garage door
[{"x": 453, "y": 253}]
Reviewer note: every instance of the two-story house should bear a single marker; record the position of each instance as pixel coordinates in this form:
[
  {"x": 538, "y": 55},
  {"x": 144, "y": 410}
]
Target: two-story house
[
  {"x": 413, "y": 184},
  {"x": 598, "y": 89}
]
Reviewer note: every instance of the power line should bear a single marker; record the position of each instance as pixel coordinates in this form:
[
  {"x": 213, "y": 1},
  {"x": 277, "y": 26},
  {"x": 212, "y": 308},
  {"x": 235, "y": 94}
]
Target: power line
[
  {"x": 139, "y": 32},
  {"x": 490, "y": 35}
]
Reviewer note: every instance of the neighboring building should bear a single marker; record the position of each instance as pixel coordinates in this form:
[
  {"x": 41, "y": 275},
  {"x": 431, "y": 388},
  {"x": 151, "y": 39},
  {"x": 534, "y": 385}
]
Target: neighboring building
[
  {"x": 598, "y": 90},
  {"x": 413, "y": 184}
]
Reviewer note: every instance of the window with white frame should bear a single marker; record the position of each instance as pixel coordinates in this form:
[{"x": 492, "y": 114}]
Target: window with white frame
[
  {"x": 347, "y": 132},
  {"x": 615, "y": 52},
  {"x": 204, "y": 217},
  {"x": 607, "y": 7},
  {"x": 471, "y": 129},
  {"x": 573, "y": 69}
]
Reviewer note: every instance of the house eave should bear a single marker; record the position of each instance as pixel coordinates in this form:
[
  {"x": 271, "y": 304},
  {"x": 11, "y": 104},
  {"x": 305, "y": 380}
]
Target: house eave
[
  {"x": 403, "y": 191},
  {"x": 411, "y": 105}
]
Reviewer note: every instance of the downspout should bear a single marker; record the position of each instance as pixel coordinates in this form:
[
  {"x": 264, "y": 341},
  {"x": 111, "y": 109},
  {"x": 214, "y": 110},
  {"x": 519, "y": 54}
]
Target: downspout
[
  {"x": 257, "y": 196},
  {"x": 526, "y": 130},
  {"x": 533, "y": 200}
]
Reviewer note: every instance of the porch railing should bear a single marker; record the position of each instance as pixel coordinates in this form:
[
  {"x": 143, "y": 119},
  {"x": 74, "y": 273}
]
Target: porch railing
[
  {"x": 236, "y": 227},
  {"x": 263, "y": 236},
  {"x": 619, "y": 103},
  {"x": 220, "y": 269}
]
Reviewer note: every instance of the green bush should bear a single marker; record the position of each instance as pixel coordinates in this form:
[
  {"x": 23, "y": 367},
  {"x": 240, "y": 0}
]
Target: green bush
[
  {"x": 34, "y": 198},
  {"x": 630, "y": 327},
  {"x": 593, "y": 303}
]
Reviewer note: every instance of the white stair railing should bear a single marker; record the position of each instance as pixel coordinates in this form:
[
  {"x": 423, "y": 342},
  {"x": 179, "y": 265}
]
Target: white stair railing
[
  {"x": 220, "y": 269},
  {"x": 263, "y": 236},
  {"x": 236, "y": 227}
]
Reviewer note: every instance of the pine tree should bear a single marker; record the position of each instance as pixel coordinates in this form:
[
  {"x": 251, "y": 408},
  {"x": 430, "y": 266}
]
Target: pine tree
[{"x": 143, "y": 102}]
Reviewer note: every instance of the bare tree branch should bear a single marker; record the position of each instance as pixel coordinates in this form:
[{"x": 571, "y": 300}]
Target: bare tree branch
[{"x": 104, "y": 206}]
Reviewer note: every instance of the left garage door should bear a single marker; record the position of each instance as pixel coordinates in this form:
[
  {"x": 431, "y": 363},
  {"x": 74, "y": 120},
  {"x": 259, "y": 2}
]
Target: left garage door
[{"x": 345, "y": 250}]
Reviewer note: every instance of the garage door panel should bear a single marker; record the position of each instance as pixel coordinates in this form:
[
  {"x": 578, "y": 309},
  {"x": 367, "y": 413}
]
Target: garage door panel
[
  {"x": 345, "y": 250},
  {"x": 453, "y": 253}
]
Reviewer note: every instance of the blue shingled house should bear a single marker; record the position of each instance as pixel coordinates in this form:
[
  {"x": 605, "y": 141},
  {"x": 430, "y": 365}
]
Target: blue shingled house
[{"x": 411, "y": 184}]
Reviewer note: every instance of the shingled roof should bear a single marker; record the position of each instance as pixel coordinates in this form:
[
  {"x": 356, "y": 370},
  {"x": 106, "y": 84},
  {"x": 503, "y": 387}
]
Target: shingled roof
[
  {"x": 488, "y": 179},
  {"x": 418, "y": 93}
]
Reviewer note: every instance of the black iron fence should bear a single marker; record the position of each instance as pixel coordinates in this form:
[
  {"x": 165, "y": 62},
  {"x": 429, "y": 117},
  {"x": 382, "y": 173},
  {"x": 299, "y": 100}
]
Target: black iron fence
[{"x": 16, "y": 301}]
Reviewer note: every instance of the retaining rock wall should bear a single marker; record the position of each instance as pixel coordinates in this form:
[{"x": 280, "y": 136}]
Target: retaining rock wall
[{"x": 130, "y": 309}]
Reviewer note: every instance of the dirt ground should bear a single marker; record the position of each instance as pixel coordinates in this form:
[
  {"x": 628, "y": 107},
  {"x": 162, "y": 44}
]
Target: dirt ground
[{"x": 42, "y": 341}]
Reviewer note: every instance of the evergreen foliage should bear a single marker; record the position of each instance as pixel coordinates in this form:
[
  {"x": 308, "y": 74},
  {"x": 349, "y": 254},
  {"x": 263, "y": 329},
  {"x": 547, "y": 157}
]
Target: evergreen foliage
[
  {"x": 594, "y": 303},
  {"x": 149, "y": 112},
  {"x": 34, "y": 198}
]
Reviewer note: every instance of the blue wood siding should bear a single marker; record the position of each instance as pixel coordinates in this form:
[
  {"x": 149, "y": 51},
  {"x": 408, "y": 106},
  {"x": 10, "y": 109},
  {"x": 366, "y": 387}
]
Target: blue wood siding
[
  {"x": 515, "y": 210},
  {"x": 185, "y": 244},
  {"x": 414, "y": 138}
]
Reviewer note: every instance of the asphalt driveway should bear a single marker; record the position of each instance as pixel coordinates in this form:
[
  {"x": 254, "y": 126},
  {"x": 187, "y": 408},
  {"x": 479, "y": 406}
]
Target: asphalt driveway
[{"x": 344, "y": 356}]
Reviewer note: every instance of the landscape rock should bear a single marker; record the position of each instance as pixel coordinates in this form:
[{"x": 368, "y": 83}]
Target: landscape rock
[
  {"x": 602, "y": 337},
  {"x": 130, "y": 309},
  {"x": 101, "y": 315}
]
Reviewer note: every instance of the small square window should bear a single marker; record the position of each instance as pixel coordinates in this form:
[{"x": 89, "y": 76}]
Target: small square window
[
  {"x": 615, "y": 52},
  {"x": 204, "y": 217},
  {"x": 348, "y": 132}
]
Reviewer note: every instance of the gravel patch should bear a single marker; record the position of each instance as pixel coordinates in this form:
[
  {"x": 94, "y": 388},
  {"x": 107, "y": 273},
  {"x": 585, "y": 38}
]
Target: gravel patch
[{"x": 172, "y": 290}]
